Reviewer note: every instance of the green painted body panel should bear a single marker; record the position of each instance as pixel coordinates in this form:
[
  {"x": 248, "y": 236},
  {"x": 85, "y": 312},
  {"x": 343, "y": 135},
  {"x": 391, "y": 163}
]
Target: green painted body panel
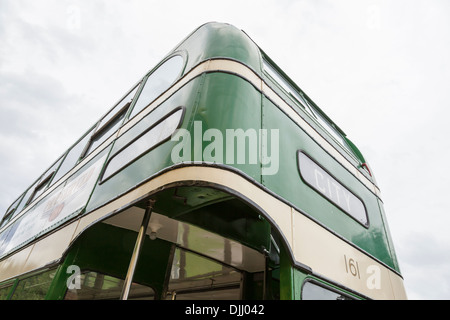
[
  {"x": 374, "y": 239},
  {"x": 217, "y": 100},
  {"x": 215, "y": 40}
]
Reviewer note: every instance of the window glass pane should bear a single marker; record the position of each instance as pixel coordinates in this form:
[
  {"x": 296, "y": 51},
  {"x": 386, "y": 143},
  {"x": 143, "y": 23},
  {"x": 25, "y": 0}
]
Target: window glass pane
[
  {"x": 51, "y": 171},
  {"x": 158, "y": 82},
  {"x": 151, "y": 138},
  {"x": 286, "y": 86},
  {"x": 110, "y": 123},
  {"x": 8, "y": 214},
  {"x": 4, "y": 291},
  {"x": 97, "y": 286},
  {"x": 105, "y": 132},
  {"x": 5, "y": 238},
  {"x": 37, "y": 191},
  {"x": 44, "y": 182},
  {"x": 194, "y": 277},
  {"x": 119, "y": 107},
  {"x": 72, "y": 157},
  {"x": 330, "y": 188},
  {"x": 306, "y": 105},
  {"x": 312, "y": 291},
  {"x": 35, "y": 287},
  {"x": 328, "y": 127},
  {"x": 24, "y": 201}
]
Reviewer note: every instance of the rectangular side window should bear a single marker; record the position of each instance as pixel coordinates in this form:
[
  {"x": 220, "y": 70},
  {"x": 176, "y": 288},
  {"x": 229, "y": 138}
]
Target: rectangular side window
[
  {"x": 306, "y": 105},
  {"x": 5, "y": 290},
  {"x": 97, "y": 286},
  {"x": 72, "y": 157},
  {"x": 34, "y": 287},
  {"x": 10, "y": 212},
  {"x": 110, "y": 123},
  {"x": 158, "y": 133}
]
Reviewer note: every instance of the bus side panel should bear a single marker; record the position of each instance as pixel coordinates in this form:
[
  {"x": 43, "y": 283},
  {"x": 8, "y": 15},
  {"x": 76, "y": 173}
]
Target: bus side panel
[
  {"x": 229, "y": 109},
  {"x": 215, "y": 105},
  {"x": 288, "y": 183}
]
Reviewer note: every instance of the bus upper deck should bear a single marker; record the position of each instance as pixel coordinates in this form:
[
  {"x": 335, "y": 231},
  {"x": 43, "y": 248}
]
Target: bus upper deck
[{"x": 231, "y": 151}]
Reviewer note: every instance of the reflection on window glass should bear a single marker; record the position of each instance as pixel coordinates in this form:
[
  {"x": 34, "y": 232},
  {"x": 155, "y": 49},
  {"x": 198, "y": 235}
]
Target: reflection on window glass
[
  {"x": 4, "y": 291},
  {"x": 110, "y": 123},
  {"x": 100, "y": 136},
  {"x": 104, "y": 133},
  {"x": 145, "y": 142},
  {"x": 10, "y": 212},
  {"x": 97, "y": 286},
  {"x": 51, "y": 171},
  {"x": 23, "y": 203},
  {"x": 286, "y": 86},
  {"x": 313, "y": 291},
  {"x": 34, "y": 287},
  {"x": 194, "y": 277},
  {"x": 39, "y": 188},
  {"x": 158, "y": 82},
  {"x": 304, "y": 103},
  {"x": 119, "y": 107},
  {"x": 323, "y": 182},
  {"x": 72, "y": 157}
]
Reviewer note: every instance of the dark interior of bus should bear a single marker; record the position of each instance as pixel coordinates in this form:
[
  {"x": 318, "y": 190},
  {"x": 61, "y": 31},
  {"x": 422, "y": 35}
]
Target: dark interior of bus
[{"x": 200, "y": 243}]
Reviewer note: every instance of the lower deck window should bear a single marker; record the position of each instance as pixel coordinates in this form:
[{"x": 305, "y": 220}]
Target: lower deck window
[
  {"x": 4, "y": 291},
  {"x": 34, "y": 287},
  {"x": 97, "y": 286},
  {"x": 194, "y": 277},
  {"x": 314, "y": 291}
]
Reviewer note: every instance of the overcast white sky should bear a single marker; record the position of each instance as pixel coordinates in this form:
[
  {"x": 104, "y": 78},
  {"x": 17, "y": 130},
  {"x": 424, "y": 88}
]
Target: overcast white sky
[{"x": 379, "y": 69}]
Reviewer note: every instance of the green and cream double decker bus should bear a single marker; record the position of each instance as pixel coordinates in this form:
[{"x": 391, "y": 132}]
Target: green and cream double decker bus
[{"x": 214, "y": 177}]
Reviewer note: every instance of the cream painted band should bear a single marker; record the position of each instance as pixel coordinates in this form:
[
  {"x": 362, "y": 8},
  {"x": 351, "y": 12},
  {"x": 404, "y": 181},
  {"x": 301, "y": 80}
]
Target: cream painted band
[
  {"x": 312, "y": 245},
  {"x": 217, "y": 65}
]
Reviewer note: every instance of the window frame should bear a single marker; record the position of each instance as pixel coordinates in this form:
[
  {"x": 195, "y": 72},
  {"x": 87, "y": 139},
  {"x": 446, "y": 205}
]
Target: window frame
[
  {"x": 111, "y": 116},
  {"x": 40, "y": 187},
  {"x": 98, "y": 132},
  {"x": 10, "y": 211},
  {"x": 68, "y": 153},
  {"x": 365, "y": 224},
  {"x": 132, "y": 112},
  {"x": 87, "y": 271},
  {"x": 25, "y": 277},
  {"x": 317, "y": 115},
  {"x": 122, "y": 167},
  {"x": 6, "y": 287},
  {"x": 330, "y": 288}
]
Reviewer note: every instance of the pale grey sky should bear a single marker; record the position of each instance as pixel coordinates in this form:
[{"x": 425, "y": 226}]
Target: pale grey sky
[{"x": 379, "y": 69}]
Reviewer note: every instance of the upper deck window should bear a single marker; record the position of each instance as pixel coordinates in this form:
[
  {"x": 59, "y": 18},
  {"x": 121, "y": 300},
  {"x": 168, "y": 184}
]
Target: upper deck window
[
  {"x": 158, "y": 82},
  {"x": 39, "y": 189},
  {"x": 146, "y": 141},
  {"x": 109, "y": 124},
  {"x": 72, "y": 156},
  {"x": 10, "y": 212},
  {"x": 307, "y": 106},
  {"x": 286, "y": 86}
]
